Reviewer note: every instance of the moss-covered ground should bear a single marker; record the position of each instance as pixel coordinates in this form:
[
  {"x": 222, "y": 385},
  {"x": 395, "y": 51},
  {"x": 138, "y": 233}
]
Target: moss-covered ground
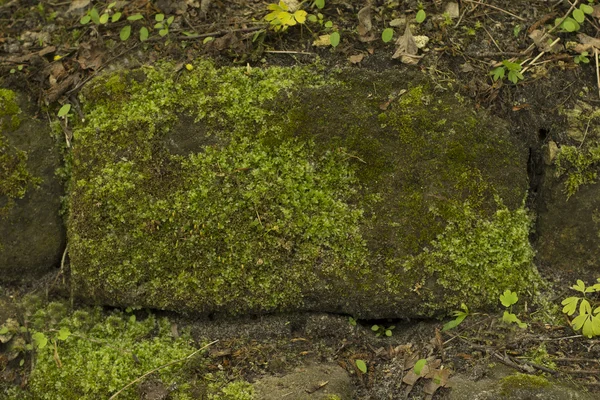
[{"x": 344, "y": 192}]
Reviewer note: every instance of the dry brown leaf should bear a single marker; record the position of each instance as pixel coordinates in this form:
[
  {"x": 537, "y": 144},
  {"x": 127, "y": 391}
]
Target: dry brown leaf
[
  {"x": 543, "y": 40},
  {"x": 587, "y": 43},
  {"x": 90, "y": 55},
  {"x": 355, "y": 59},
  {"x": 364, "y": 21},
  {"x": 406, "y": 48},
  {"x": 596, "y": 12},
  {"x": 77, "y": 5},
  {"x": 410, "y": 378}
]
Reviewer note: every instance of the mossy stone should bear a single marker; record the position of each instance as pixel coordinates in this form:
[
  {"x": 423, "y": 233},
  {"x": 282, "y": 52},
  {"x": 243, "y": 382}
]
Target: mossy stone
[
  {"x": 362, "y": 193},
  {"x": 32, "y": 234}
]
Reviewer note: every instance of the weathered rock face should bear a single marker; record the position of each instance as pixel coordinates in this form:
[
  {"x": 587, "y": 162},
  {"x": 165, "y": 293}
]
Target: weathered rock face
[
  {"x": 32, "y": 234},
  {"x": 247, "y": 191},
  {"x": 568, "y": 226}
]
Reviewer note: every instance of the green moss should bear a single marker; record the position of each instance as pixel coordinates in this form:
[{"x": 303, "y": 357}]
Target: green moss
[
  {"x": 9, "y": 110},
  {"x": 579, "y": 166},
  {"x": 106, "y": 351},
  {"x": 304, "y": 188},
  {"x": 519, "y": 381}
]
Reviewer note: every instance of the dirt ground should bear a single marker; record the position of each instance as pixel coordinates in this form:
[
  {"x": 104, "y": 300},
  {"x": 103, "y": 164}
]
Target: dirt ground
[{"x": 47, "y": 52}]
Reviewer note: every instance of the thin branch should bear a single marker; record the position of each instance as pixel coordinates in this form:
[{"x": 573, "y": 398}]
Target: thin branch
[
  {"x": 159, "y": 368},
  {"x": 495, "y": 8}
]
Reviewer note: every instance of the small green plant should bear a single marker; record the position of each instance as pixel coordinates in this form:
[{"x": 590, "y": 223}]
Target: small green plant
[
  {"x": 514, "y": 71},
  {"x": 319, "y": 4},
  {"x": 387, "y": 35},
  {"x": 64, "y": 110},
  {"x": 334, "y": 38},
  {"x": 587, "y": 320},
  {"x": 419, "y": 366},
  {"x": 381, "y": 330},
  {"x": 421, "y": 15},
  {"x": 112, "y": 14},
  {"x": 573, "y": 23},
  {"x": 508, "y": 299},
  {"x": 319, "y": 19},
  {"x": 352, "y": 321},
  {"x": 582, "y": 58},
  {"x": 361, "y": 365},
  {"x": 163, "y": 24},
  {"x": 460, "y": 317},
  {"x": 19, "y": 68},
  {"x": 280, "y": 18}
]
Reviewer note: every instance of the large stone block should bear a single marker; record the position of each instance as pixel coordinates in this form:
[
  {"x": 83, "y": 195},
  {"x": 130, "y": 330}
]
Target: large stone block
[
  {"x": 32, "y": 234},
  {"x": 248, "y": 191}
]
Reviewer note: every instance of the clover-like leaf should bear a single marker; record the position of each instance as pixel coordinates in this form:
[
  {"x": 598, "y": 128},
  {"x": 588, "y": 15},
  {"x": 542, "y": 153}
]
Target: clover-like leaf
[
  {"x": 64, "y": 333},
  {"x": 300, "y": 16},
  {"x": 144, "y": 33},
  {"x": 570, "y": 305},
  {"x": 40, "y": 340},
  {"x": 586, "y": 9},
  {"x": 508, "y": 298},
  {"x": 421, "y": 15},
  {"x": 125, "y": 33},
  {"x": 334, "y": 38},
  {"x": 578, "y": 15},
  {"x": 64, "y": 110}
]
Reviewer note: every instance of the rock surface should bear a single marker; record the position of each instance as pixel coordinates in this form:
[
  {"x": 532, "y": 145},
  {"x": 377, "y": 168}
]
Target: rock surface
[
  {"x": 32, "y": 233},
  {"x": 242, "y": 190}
]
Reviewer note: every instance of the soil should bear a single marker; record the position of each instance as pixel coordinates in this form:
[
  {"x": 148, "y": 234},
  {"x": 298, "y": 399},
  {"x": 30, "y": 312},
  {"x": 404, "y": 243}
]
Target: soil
[{"x": 46, "y": 52}]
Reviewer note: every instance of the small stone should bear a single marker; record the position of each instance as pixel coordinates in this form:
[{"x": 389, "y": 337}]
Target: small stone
[{"x": 550, "y": 152}]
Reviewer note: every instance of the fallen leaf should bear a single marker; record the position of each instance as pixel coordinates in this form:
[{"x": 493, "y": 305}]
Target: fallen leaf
[
  {"x": 77, "y": 5},
  {"x": 410, "y": 378},
  {"x": 452, "y": 10},
  {"x": 355, "y": 59},
  {"x": 406, "y": 48},
  {"x": 543, "y": 40},
  {"x": 587, "y": 43},
  {"x": 596, "y": 12},
  {"x": 90, "y": 55},
  {"x": 364, "y": 21}
]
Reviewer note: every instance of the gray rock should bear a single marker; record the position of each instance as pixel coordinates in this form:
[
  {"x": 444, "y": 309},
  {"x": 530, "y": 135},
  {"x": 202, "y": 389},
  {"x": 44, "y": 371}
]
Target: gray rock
[{"x": 32, "y": 234}]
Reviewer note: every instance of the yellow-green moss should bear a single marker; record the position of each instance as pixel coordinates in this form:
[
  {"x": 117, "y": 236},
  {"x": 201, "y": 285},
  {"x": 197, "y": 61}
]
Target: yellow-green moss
[
  {"x": 579, "y": 165},
  {"x": 307, "y": 188},
  {"x": 106, "y": 351},
  {"x": 520, "y": 381},
  {"x": 9, "y": 110}
]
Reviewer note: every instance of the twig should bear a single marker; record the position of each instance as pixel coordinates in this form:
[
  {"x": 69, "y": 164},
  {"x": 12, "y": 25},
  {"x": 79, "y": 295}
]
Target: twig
[
  {"x": 495, "y": 8},
  {"x": 290, "y": 52},
  {"x": 539, "y": 55},
  {"x": 159, "y": 368},
  {"x": 597, "y": 70},
  {"x": 493, "y": 40}
]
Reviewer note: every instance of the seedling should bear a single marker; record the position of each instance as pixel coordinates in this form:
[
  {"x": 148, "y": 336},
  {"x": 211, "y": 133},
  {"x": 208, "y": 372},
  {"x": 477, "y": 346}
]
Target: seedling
[
  {"x": 514, "y": 71},
  {"x": 582, "y": 58},
  {"x": 460, "y": 316},
  {"x": 573, "y": 23},
  {"x": 387, "y": 35},
  {"x": 421, "y": 15},
  {"x": 280, "y": 18},
  {"x": 588, "y": 320},
  {"x": 381, "y": 330},
  {"x": 508, "y": 299},
  {"x": 362, "y": 366}
]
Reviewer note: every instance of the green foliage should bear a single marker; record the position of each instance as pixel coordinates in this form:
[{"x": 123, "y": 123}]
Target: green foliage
[
  {"x": 362, "y": 366},
  {"x": 320, "y": 4},
  {"x": 508, "y": 299},
  {"x": 64, "y": 110},
  {"x": 573, "y": 23},
  {"x": 582, "y": 58},
  {"x": 421, "y": 15},
  {"x": 320, "y": 19},
  {"x": 280, "y": 18},
  {"x": 381, "y": 330},
  {"x": 579, "y": 166},
  {"x": 352, "y": 321},
  {"x": 419, "y": 366},
  {"x": 460, "y": 317},
  {"x": 162, "y": 24},
  {"x": 387, "y": 35},
  {"x": 514, "y": 72},
  {"x": 335, "y": 39},
  {"x": 588, "y": 318}
]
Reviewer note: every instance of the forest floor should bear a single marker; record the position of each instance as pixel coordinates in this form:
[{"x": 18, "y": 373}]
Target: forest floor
[{"x": 521, "y": 60}]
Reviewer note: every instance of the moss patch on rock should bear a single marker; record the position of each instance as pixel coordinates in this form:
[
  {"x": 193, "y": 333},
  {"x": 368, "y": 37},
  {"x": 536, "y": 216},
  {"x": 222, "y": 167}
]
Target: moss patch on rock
[
  {"x": 352, "y": 192},
  {"x": 15, "y": 178}
]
